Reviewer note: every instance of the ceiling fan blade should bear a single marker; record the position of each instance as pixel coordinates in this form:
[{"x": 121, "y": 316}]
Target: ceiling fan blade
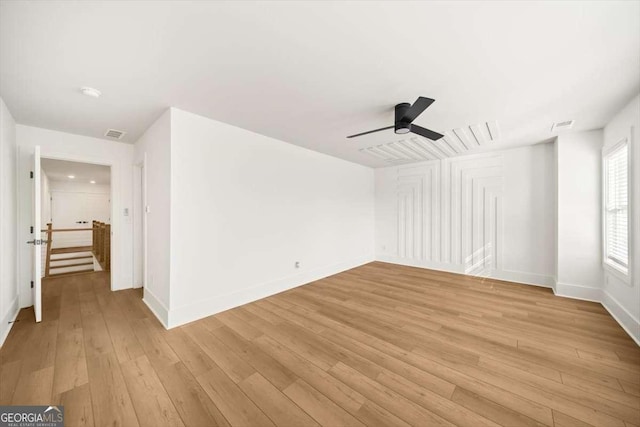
[
  {"x": 416, "y": 109},
  {"x": 371, "y": 131},
  {"x": 434, "y": 136}
]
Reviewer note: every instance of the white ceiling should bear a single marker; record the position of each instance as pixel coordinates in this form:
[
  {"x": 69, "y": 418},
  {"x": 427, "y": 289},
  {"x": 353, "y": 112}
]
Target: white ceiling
[
  {"x": 310, "y": 73},
  {"x": 59, "y": 170}
]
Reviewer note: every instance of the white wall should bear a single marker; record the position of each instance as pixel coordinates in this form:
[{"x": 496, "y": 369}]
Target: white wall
[
  {"x": 60, "y": 145},
  {"x": 488, "y": 214},
  {"x": 79, "y": 187},
  {"x": 244, "y": 208},
  {"x": 154, "y": 150},
  {"x": 579, "y": 246},
  {"x": 622, "y": 298},
  {"x": 9, "y": 301},
  {"x": 73, "y": 201}
]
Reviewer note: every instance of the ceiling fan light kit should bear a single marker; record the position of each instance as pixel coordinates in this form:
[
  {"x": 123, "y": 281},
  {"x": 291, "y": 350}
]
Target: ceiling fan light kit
[
  {"x": 402, "y": 127},
  {"x": 405, "y": 114}
]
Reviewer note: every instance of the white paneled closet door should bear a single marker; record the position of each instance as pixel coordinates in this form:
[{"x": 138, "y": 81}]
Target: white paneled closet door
[{"x": 77, "y": 210}]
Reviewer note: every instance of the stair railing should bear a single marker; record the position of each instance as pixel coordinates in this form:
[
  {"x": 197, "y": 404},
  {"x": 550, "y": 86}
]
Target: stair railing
[{"x": 100, "y": 243}]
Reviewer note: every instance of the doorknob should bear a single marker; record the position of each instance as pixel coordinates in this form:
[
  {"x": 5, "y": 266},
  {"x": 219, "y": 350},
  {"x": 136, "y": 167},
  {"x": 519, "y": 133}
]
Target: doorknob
[{"x": 37, "y": 242}]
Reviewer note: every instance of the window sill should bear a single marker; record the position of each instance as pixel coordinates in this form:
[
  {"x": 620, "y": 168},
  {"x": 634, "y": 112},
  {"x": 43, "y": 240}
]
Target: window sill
[{"x": 621, "y": 274}]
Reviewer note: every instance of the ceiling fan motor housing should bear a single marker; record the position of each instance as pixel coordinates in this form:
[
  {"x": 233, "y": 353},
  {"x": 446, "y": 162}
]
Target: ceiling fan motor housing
[{"x": 400, "y": 126}]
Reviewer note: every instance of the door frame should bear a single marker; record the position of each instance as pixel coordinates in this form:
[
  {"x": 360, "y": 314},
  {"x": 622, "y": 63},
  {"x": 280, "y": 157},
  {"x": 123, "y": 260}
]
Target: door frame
[
  {"x": 140, "y": 214},
  {"x": 78, "y": 158}
]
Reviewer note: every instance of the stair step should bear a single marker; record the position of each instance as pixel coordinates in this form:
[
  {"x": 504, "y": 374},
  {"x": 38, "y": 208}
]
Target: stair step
[
  {"x": 74, "y": 249},
  {"x": 71, "y": 257},
  {"x": 51, "y": 267}
]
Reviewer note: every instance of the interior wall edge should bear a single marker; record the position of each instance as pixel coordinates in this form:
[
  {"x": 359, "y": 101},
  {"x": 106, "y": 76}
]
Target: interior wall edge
[
  {"x": 220, "y": 303},
  {"x": 157, "y": 307}
]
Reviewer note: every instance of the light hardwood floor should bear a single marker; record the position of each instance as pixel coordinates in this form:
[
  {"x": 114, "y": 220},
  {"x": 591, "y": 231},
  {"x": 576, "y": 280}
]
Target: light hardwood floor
[{"x": 377, "y": 345}]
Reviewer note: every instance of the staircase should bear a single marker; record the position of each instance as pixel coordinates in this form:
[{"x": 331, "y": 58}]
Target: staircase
[
  {"x": 79, "y": 259},
  {"x": 70, "y": 260}
]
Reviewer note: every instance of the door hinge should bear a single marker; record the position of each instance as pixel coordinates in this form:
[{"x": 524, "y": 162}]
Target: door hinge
[
  {"x": 32, "y": 284},
  {"x": 31, "y": 174},
  {"x": 31, "y": 229}
]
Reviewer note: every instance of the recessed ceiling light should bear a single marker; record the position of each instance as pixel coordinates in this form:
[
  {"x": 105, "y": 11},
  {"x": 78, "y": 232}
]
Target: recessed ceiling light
[
  {"x": 92, "y": 182},
  {"x": 71, "y": 176},
  {"x": 89, "y": 91}
]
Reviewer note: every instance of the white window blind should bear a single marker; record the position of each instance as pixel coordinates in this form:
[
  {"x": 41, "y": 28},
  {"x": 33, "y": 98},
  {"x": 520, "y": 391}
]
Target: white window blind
[{"x": 616, "y": 221}]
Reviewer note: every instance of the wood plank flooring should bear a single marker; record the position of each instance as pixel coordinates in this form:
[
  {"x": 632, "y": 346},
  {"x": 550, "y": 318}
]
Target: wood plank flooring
[{"x": 379, "y": 345}]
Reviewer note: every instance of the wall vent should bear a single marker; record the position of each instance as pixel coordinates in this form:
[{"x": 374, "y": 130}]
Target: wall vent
[
  {"x": 559, "y": 126},
  {"x": 116, "y": 134}
]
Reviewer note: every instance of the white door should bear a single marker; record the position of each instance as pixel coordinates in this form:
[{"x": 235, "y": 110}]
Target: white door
[{"x": 37, "y": 242}]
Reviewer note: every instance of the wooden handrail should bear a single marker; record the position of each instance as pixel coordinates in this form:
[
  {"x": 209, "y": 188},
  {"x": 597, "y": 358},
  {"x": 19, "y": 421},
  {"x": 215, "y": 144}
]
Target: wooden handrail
[{"x": 68, "y": 229}]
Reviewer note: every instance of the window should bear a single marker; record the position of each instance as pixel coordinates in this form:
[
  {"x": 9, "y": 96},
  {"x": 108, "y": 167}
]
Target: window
[{"x": 616, "y": 211}]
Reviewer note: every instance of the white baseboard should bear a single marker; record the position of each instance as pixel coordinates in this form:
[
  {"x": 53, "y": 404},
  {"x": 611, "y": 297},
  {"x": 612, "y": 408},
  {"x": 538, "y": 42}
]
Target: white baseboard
[
  {"x": 219, "y": 303},
  {"x": 157, "y": 307},
  {"x": 8, "y": 318},
  {"x": 524, "y": 277},
  {"x": 578, "y": 292},
  {"x": 506, "y": 275},
  {"x": 628, "y": 322}
]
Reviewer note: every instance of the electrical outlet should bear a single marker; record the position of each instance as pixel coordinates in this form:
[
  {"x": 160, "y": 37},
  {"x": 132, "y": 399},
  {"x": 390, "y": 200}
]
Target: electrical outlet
[{"x": 297, "y": 264}]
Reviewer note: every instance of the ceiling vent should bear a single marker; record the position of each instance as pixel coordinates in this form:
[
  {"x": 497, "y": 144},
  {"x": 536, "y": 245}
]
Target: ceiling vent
[
  {"x": 560, "y": 126},
  {"x": 116, "y": 134}
]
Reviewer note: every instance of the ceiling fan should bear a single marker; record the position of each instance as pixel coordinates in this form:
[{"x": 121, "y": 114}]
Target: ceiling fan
[{"x": 405, "y": 115}]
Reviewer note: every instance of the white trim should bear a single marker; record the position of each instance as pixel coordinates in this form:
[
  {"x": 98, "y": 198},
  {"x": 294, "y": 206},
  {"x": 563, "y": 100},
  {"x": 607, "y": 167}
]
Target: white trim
[
  {"x": 8, "y": 319},
  {"x": 140, "y": 172},
  {"x": 624, "y": 276},
  {"x": 157, "y": 307},
  {"x": 113, "y": 184},
  {"x": 506, "y": 275},
  {"x": 208, "y": 307},
  {"x": 629, "y": 323},
  {"x": 584, "y": 293}
]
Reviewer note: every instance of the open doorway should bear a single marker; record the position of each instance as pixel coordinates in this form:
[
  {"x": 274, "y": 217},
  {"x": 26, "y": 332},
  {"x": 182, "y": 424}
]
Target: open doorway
[{"x": 75, "y": 211}]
